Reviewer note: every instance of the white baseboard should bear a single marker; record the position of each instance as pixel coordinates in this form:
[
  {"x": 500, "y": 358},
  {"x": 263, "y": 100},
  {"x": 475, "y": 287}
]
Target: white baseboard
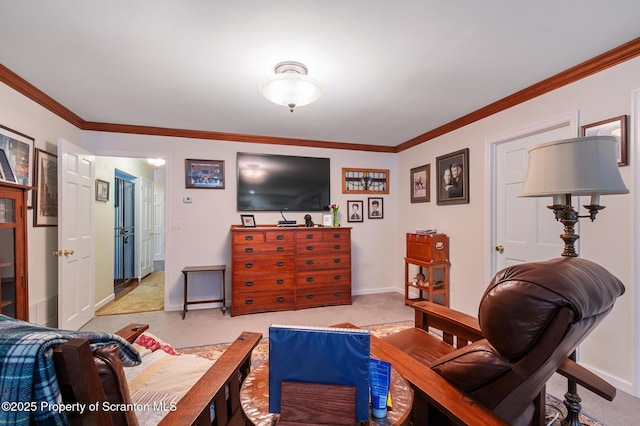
[
  {"x": 616, "y": 382},
  {"x": 104, "y": 301}
]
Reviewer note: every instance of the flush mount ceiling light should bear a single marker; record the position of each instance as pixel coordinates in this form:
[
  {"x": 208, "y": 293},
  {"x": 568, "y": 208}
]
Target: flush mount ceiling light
[
  {"x": 156, "y": 161},
  {"x": 290, "y": 86}
]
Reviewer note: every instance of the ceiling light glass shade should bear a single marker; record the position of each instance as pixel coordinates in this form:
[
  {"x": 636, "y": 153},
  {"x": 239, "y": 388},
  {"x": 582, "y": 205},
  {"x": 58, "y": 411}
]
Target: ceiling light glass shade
[
  {"x": 290, "y": 86},
  {"x": 156, "y": 161},
  {"x": 578, "y": 166}
]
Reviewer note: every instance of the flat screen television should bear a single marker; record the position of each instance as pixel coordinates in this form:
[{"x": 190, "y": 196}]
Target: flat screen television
[{"x": 271, "y": 182}]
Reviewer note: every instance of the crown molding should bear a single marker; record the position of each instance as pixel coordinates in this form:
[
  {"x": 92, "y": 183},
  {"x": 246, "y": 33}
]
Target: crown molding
[{"x": 592, "y": 66}]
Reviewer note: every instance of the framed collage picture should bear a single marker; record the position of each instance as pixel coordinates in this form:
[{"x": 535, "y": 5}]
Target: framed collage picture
[{"x": 453, "y": 178}]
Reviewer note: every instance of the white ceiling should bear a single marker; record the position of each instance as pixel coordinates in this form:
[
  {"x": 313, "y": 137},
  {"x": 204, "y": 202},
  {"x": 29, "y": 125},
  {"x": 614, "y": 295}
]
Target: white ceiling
[{"x": 391, "y": 70}]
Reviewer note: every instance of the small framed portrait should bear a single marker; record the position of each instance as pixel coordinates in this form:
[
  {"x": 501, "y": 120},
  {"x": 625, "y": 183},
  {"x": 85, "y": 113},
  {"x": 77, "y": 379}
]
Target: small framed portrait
[
  {"x": 204, "y": 174},
  {"x": 355, "y": 211},
  {"x": 453, "y": 178},
  {"x": 102, "y": 190},
  {"x": 376, "y": 209},
  {"x": 616, "y": 127},
  {"x": 248, "y": 221},
  {"x": 420, "y": 184},
  {"x": 46, "y": 193},
  {"x": 327, "y": 219}
]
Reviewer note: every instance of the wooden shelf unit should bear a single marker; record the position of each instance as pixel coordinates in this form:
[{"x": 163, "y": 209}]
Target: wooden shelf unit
[
  {"x": 14, "y": 284},
  {"x": 430, "y": 253},
  {"x": 288, "y": 268}
]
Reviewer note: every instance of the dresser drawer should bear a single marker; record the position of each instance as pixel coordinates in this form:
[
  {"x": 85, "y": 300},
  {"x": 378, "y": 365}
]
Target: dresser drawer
[
  {"x": 248, "y": 264},
  {"x": 310, "y": 234},
  {"x": 279, "y": 236},
  {"x": 339, "y": 295},
  {"x": 262, "y": 301},
  {"x": 306, "y": 262},
  {"x": 323, "y": 247},
  {"x": 250, "y": 237},
  {"x": 265, "y": 248},
  {"x": 248, "y": 283},
  {"x": 316, "y": 279}
]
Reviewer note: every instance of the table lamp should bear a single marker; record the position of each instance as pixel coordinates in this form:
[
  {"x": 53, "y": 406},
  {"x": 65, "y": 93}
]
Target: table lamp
[{"x": 560, "y": 169}]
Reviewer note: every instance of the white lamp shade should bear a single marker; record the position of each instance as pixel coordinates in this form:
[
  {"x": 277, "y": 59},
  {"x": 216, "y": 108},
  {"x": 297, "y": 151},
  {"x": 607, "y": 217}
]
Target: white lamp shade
[
  {"x": 579, "y": 166},
  {"x": 290, "y": 88}
]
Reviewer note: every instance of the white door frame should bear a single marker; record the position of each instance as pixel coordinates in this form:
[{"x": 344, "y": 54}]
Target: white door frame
[{"x": 491, "y": 148}]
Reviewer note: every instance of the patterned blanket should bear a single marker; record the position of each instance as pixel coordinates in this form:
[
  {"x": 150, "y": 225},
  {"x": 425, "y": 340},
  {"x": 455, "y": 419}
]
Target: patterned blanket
[{"x": 29, "y": 392}]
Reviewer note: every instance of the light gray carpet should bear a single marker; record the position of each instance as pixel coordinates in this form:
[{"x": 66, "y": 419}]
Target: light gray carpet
[{"x": 209, "y": 326}]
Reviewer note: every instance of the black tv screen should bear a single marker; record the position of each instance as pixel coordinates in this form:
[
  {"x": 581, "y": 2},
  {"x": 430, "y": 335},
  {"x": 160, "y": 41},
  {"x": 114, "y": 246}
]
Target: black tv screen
[{"x": 269, "y": 182}]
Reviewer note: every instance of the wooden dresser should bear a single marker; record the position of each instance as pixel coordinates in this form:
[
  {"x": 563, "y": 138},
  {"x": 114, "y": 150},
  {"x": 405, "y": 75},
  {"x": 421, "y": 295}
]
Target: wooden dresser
[{"x": 280, "y": 269}]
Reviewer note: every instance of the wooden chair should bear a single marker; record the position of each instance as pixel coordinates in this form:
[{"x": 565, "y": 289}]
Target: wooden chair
[{"x": 80, "y": 381}]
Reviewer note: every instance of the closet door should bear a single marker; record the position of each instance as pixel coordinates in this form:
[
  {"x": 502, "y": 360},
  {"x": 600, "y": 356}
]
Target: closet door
[{"x": 13, "y": 250}]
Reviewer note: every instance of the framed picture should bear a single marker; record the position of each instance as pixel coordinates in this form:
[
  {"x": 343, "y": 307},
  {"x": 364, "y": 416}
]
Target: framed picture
[
  {"x": 376, "y": 210},
  {"x": 327, "y": 219},
  {"x": 420, "y": 184},
  {"x": 204, "y": 174},
  {"x": 453, "y": 178},
  {"x": 248, "y": 220},
  {"x": 46, "y": 193},
  {"x": 355, "y": 211},
  {"x": 617, "y": 127},
  {"x": 102, "y": 190},
  {"x": 365, "y": 181},
  {"x": 18, "y": 150}
]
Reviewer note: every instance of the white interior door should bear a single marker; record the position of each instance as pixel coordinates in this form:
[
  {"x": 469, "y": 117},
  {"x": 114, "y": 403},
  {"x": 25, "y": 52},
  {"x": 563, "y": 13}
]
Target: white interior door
[
  {"x": 145, "y": 229},
  {"x": 76, "y": 242},
  {"x": 526, "y": 230}
]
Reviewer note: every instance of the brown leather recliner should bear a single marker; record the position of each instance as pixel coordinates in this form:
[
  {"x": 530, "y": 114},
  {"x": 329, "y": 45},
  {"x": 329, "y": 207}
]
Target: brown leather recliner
[{"x": 532, "y": 316}]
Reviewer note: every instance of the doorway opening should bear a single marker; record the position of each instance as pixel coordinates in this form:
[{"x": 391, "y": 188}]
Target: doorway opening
[{"x": 124, "y": 271}]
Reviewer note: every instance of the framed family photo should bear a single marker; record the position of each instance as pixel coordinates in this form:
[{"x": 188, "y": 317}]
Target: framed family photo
[
  {"x": 420, "y": 184},
  {"x": 355, "y": 211},
  {"x": 453, "y": 178},
  {"x": 376, "y": 209},
  {"x": 46, "y": 193},
  {"x": 204, "y": 174},
  {"x": 616, "y": 127}
]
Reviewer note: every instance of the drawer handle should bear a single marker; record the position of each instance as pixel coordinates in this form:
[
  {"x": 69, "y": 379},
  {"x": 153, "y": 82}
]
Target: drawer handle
[
  {"x": 337, "y": 293},
  {"x": 248, "y": 301},
  {"x": 248, "y": 265},
  {"x": 336, "y": 277},
  {"x": 336, "y": 246},
  {"x": 310, "y": 262},
  {"x": 336, "y": 235},
  {"x": 309, "y": 237},
  {"x": 309, "y": 279},
  {"x": 280, "y": 299},
  {"x": 248, "y": 237},
  {"x": 280, "y": 249},
  {"x": 336, "y": 260},
  {"x": 249, "y": 250},
  {"x": 248, "y": 283},
  {"x": 281, "y": 263},
  {"x": 280, "y": 281},
  {"x": 279, "y": 237},
  {"x": 309, "y": 295},
  {"x": 309, "y": 248}
]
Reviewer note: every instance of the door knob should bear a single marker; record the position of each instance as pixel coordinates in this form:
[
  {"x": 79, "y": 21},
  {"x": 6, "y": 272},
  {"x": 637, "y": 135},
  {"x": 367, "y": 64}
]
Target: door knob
[
  {"x": 68, "y": 252},
  {"x": 60, "y": 253},
  {"x": 500, "y": 248}
]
